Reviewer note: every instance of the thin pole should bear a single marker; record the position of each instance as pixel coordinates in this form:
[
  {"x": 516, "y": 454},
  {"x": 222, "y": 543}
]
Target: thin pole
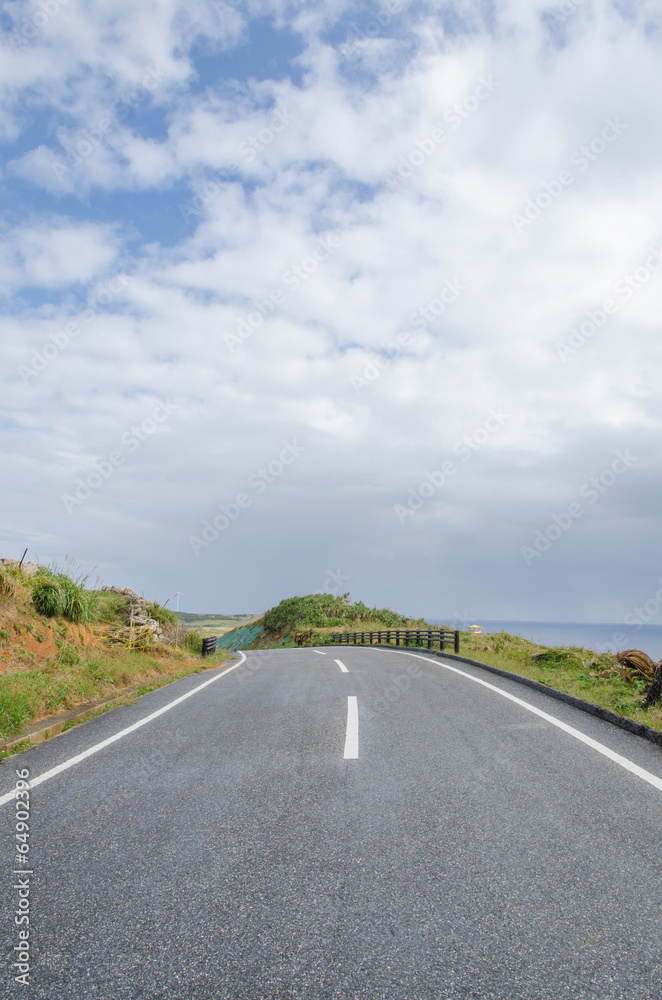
[{"x": 177, "y": 625}]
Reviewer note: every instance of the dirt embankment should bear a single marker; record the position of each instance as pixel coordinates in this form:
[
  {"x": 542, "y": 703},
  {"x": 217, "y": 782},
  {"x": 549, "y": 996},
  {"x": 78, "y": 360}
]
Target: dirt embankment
[{"x": 49, "y": 664}]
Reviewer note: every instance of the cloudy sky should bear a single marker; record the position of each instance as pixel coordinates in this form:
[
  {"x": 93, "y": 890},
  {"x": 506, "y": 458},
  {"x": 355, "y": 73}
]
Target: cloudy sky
[{"x": 304, "y": 296}]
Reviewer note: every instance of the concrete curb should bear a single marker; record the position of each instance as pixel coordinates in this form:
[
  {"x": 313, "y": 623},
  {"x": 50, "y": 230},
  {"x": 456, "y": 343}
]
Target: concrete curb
[
  {"x": 53, "y": 725},
  {"x": 637, "y": 728}
]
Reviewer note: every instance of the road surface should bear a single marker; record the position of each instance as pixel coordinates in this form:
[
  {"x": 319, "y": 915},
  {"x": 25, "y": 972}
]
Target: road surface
[{"x": 343, "y": 823}]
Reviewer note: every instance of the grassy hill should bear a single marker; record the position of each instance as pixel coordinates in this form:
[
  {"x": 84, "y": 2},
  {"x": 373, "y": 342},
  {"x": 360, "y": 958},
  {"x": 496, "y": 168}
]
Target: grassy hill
[
  {"x": 325, "y": 611},
  {"x": 57, "y": 649},
  {"x": 212, "y": 624}
]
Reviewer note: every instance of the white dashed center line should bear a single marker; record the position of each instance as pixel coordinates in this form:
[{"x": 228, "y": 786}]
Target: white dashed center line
[
  {"x": 319, "y": 651},
  {"x": 352, "y": 737},
  {"x": 342, "y": 667}
]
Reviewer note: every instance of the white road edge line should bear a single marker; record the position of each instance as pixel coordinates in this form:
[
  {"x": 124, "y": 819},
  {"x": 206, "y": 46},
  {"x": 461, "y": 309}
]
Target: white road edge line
[
  {"x": 342, "y": 667},
  {"x": 118, "y": 736},
  {"x": 629, "y": 765},
  {"x": 319, "y": 651},
  {"x": 352, "y": 737}
]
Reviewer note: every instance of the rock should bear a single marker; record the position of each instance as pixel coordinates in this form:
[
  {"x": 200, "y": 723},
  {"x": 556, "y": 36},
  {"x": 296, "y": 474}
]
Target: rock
[
  {"x": 29, "y": 568},
  {"x": 140, "y": 629},
  {"x": 654, "y": 691}
]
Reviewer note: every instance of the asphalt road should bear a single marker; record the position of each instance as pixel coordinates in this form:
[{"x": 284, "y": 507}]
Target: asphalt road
[{"x": 252, "y": 842}]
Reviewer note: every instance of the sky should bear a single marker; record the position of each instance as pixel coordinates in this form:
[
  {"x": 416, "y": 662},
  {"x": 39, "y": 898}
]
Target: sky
[{"x": 340, "y": 297}]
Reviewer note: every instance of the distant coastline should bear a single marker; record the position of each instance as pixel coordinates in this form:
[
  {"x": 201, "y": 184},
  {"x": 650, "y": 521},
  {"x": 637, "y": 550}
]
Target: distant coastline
[{"x": 601, "y": 637}]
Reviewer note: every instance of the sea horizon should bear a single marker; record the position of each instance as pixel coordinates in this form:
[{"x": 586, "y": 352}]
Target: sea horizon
[{"x": 600, "y": 637}]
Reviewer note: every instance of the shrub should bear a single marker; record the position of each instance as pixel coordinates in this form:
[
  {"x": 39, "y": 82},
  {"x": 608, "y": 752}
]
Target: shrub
[
  {"x": 57, "y": 595},
  {"x": 193, "y": 641},
  {"x": 164, "y": 616},
  {"x": 47, "y": 596},
  {"x": 326, "y": 611}
]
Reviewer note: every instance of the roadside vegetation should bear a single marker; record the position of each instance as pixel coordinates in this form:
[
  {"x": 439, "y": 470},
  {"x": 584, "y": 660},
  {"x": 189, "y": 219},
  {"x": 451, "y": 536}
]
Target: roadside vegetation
[
  {"x": 324, "y": 611},
  {"x": 602, "y": 678},
  {"x": 616, "y": 682},
  {"x": 55, "y": 649}
]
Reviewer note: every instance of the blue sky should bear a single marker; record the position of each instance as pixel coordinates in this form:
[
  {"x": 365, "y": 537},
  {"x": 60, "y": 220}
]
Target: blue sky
[{"x": 302, "y": 297}]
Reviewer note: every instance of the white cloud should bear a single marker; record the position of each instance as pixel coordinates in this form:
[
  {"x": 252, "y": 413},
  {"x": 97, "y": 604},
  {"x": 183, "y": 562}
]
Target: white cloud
[
  {"x": 55, "y": 252},
  {"x": 448, "y": 218}
]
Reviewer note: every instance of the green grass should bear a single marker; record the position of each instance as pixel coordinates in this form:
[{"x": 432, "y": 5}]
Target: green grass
[
  {"x": 595, "y": 677},
  {"x": 206, "y": 625},
  {"x": 113, "y": 608},
  {"x": 210, "y": 621},
  {"x": 570, "y": 669},
  {"x": 296, "y": 614},
  {"x": 57, "y": 595},
  {"x": 76, "y": 677},
  {"x": 161, "y": 614}
]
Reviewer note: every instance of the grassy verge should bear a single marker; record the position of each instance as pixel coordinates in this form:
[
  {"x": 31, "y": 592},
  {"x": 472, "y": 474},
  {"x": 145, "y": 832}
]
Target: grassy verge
[
  {"x": 595, "y": 677},
  {"x": 65, "y": 682}
]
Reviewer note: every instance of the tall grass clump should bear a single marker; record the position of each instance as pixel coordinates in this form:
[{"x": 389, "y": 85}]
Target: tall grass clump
[
  {"x": 161, "y": 614},
  {"x": 47, "y": 597},
  {"x": 57, "y": 595},
  {"x": 8, "y": 587}
]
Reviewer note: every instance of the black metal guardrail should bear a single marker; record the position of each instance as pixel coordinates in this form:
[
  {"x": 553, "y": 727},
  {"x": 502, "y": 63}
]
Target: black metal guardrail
[
  {"x": 209, "y": 645},
  {"x": 402, "y": 636}
]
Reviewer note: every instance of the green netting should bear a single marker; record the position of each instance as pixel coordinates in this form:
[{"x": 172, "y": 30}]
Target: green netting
[{"x": 242, "y": 637}]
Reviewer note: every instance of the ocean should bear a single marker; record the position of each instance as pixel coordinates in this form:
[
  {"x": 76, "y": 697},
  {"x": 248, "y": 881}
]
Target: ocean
[{"x": 598, "y": 636}]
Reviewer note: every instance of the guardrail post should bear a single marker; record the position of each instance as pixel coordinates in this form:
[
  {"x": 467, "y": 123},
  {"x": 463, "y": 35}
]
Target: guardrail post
[
  {"x": 209, "y": 645},
  {"x": 456, "y": 644}
]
